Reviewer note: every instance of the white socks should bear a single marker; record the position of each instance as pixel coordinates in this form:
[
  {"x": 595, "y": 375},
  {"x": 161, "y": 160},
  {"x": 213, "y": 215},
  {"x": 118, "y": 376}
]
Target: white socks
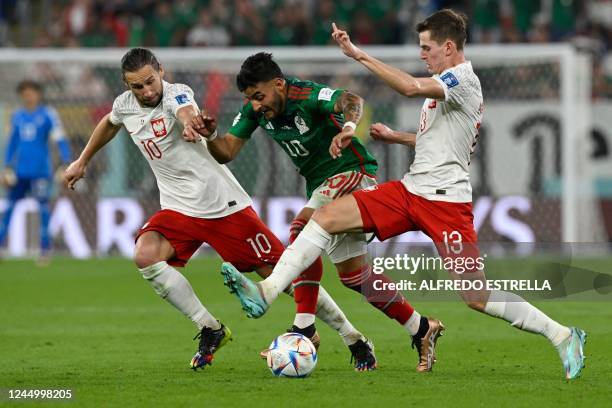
[
  {"x": 521, "y": 314},
  {"x": 413, "y": 323},
  {"x": 171, "y": 285},
  {"x": 332, "y": 315},
  {"x": 297, "y": 257}
]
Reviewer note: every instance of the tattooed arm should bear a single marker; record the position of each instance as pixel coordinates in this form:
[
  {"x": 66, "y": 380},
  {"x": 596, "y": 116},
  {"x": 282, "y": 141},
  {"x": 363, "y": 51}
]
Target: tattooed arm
[{"x": 351, "y": 106}]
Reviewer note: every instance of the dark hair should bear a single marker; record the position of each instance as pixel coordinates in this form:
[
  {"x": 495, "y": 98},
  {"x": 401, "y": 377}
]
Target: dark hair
[
  {"x": 29, "y": 84},
  {"x": 257, "y": 68},
  {"x": 137, "y": 58},
  {"x": 444, "y": 25}
]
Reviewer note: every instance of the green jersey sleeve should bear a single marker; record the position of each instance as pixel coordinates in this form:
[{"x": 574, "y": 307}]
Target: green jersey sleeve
[
  {"x": 323, "y": 98},
  {"x": 245, "y": 122}
]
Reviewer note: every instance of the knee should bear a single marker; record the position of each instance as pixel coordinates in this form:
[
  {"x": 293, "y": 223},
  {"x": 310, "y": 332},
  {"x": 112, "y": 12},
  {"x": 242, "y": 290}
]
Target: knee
[
  {"x": 145, "y": 254},
  {"x": 324, "y": 218}
]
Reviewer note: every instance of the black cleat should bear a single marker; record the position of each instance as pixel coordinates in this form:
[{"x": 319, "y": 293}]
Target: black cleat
[
  {"x": 210, "y": 341},
  {"x": 362, "y": 353}
]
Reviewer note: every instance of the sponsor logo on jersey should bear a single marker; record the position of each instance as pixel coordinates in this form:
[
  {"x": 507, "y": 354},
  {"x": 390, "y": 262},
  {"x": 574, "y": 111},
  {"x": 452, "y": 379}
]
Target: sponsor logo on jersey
[
  {"x": 300, "y": 124},
  {"x": 159, "y": 127},
  {"x": 237, "y": 119},
  {"x": 269, "y": 126},
  {"x": 325, "y": 94},
  {"x": 181, "y": 99},
  {"x": 450, "y": 80}
]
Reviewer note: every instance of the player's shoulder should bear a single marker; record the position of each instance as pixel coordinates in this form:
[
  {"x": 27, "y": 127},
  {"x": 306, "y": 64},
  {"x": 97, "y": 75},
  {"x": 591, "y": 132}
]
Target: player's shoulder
[
  {"x": 305, "y": 90},
  {"x": 462, "y": 74},
  {"x": 174, "y": 89},
  {"x": 126, "y": 102},
  {"x": 300, "y": 89}
]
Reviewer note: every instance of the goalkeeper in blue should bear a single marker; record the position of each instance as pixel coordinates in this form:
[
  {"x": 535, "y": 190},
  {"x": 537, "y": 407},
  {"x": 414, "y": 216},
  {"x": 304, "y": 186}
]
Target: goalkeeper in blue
[{"x": 28, "y": 160}]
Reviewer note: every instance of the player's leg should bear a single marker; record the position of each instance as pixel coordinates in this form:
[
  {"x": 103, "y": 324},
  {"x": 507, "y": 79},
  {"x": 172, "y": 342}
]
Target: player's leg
[
  {"x": 381, "y": 208},
  {"x": 167, "y": 240},
  {"x": 452, "y": 227},
  {"x": 15, "y": 193}
]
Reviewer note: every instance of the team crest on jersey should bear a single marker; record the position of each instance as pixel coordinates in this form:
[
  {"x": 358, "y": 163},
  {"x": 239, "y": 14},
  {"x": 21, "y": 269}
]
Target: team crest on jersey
[
  {"x": 301, "y": 125},
  {"x": 159, "y": 127},
  {"x": 432, "y": 104}
]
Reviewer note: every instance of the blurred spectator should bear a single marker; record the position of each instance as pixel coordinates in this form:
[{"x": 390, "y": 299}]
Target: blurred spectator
[
  {"x": 163, "y": 26},
  {"x": 323, "y": 18},
  {"x": 207, "y": 33},
  {"x": 247, "y": 25}
]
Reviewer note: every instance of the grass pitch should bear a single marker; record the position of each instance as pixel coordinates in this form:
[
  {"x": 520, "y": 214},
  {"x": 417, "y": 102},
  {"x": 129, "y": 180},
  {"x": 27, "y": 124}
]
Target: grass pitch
[{"x": 97, "y": 328}]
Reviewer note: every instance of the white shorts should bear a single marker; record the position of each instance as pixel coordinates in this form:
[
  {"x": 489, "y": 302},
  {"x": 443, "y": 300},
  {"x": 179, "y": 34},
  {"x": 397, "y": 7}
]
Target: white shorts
[{"x": 342, "y": 246}]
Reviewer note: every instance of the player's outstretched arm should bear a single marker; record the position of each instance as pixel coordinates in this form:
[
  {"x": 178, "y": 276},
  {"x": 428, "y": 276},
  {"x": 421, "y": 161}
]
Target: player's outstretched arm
[
  {"x": 400, "y": 81},
  {"x": 383, "y": 133},
  {"x": 104, "y": 132},
  {"x": 223, "y": 149}
]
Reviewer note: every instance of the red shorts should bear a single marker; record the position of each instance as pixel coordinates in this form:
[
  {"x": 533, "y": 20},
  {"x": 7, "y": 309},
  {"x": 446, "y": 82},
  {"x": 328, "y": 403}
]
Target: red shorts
[
  {"x": 389, "y": 209},
  {"x": 240, "y": 238}
]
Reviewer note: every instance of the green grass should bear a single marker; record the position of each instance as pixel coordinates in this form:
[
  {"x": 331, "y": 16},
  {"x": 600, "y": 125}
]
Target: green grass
[{"x": 96, "y": 327}]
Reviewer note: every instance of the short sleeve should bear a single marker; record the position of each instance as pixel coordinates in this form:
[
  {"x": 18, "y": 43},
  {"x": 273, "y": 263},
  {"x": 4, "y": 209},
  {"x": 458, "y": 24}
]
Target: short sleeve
[
  {"x": 177, "y": 96},
  {"x": 324, "y": 98},
  {"x": 456, "y": 85},
  {"x": 245, "y": 122},
  {"x": 116, "y": 116}
]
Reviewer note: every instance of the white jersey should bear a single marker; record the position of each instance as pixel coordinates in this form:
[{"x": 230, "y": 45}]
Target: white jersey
[
  {"x": 189, "y": 179},
  {"x": 446, "y": 138}
]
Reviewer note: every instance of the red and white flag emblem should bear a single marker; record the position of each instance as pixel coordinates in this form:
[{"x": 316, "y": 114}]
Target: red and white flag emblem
[{"x": 159, "y": 127}]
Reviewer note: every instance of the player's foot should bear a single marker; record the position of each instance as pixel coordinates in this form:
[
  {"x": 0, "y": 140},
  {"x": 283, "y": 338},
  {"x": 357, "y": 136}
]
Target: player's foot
[
  {"x": 426, "y": 344},
  {"x": 210, "y": 341},
  {"x": 247, "y": 291},
  {"x": 362, "y": 353},
  {"x": 571, "y": 351},
  {"x": 310, "y": 332}
]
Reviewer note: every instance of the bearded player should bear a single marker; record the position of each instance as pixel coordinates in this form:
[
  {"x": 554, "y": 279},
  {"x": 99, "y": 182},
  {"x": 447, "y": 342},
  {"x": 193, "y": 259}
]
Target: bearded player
[
  {"x": 304, "y": 117},
  {"x": 201, "y": 200}
]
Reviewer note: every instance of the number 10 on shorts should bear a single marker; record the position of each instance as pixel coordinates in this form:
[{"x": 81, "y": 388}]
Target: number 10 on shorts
[{"x": 260, "y": 244}]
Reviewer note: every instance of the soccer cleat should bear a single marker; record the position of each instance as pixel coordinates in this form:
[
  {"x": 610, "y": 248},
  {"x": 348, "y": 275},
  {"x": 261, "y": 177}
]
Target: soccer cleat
[
  {"x": 210, "y": 341},
  {"x": 426, "y": 345},
  {"x": 572, "y": 353},
  {"x": 315, "y": 339},
  {"x": 247, "y": 291},
  {"x": 362, "y": 353}
]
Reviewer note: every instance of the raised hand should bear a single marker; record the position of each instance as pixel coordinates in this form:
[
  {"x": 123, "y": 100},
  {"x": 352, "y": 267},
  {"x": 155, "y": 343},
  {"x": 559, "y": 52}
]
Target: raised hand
[{"x": 344, "y": 41}]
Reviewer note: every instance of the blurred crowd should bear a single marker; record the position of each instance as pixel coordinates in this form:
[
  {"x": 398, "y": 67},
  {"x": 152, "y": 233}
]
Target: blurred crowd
[
  {"x": 202, "y": 23},
  {"x": 163, "y": 23}
]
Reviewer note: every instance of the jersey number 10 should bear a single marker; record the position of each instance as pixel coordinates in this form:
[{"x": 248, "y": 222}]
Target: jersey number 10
[{"x": 152, "y": 149}]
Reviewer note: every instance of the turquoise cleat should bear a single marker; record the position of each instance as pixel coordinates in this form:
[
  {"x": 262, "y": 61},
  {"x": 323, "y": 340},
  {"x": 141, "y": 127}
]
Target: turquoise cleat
[
  {"x": 247, "y": 291},
  {"x": 573, "y": 353}
]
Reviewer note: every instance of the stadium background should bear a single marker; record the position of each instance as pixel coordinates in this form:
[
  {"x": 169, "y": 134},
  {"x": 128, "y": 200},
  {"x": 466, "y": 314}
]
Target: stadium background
[
  {"x": 95, "y": 327},
  {"x": 517, "y": 170}
]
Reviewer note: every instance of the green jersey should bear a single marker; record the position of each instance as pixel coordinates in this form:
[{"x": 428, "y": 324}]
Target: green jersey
[{"x": 305, "y": 130}]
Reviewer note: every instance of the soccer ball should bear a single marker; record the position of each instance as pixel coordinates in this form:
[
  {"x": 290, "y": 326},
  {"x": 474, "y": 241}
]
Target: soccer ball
[{"x": 292, "y": 355}]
